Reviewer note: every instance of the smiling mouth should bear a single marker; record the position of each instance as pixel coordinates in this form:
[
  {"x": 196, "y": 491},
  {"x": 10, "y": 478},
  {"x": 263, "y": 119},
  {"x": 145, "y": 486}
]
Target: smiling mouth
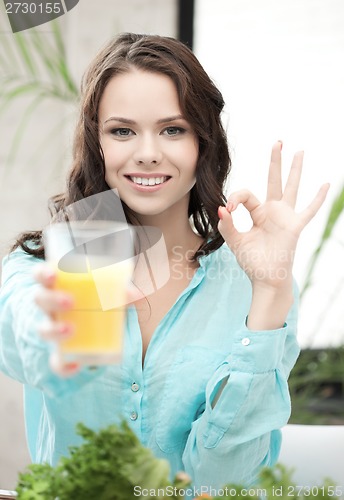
[{"x": 148, "y": 181}]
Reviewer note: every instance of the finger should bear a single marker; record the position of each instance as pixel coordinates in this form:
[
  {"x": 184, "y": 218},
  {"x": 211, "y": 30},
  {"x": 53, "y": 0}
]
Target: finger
[
  {"x": 245, "y": 197},
  {"x": 309, "y": 212},
  {"x": 274, "y": 190},
  {"x": 45, "y": 275},
  {"x": 61, "y": 368},
  {"x": 56, "y": 331},
  {"x": 52, "y": 301},
  {"x": 293, "y": 182},
  {"x": 226, "y": 228}
]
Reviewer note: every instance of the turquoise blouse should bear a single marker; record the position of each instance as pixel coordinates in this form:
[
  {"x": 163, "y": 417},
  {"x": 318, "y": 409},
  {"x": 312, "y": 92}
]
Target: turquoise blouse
[{"x": 201, "y": 341}]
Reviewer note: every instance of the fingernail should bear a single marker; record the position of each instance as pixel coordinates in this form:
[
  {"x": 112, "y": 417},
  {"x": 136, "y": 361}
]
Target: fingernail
[
  {"x": 50, "y": 276},
  {"x": 66, "y": 303},
  {"x": 71, "y": 366},
  {"x": 281, "y": 143},
  {"x": 219, "y": 213},
  {"x": 65, "y": 330}
]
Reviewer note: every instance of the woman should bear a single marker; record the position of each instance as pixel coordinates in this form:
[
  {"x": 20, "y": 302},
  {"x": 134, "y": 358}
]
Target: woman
[{"x": 204, "y": 375}]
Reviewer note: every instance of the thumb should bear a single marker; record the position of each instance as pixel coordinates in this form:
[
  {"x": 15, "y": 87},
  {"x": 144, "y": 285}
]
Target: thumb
[{"x": 226, "y": 227}]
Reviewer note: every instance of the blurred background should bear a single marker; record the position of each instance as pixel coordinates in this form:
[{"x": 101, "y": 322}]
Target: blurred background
[{"x": 279, "y": 65}]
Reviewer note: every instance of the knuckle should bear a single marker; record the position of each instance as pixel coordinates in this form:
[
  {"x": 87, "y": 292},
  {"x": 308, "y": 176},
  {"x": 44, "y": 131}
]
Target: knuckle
[
  {"x": 38, "y": 297},
  {"x": 240, "y": 194},
  {"x": 55, "y": 364},
  {"x": 39, "y": 272},
  {"x": 60, "y": 368},
  {"x": 44, "y": 332},
  {"x": 43, "y": 274},
  {"x": 47, "y": 330}
]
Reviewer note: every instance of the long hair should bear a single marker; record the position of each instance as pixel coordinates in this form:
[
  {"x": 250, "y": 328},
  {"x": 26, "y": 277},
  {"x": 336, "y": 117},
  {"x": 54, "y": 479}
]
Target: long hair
[{"x": 201, "y": 104}]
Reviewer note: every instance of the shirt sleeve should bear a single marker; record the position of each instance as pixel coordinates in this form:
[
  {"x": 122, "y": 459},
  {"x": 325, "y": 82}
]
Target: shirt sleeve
[
  {"x": 234, "y": 438},
  {"x": 24, "y": 356}
]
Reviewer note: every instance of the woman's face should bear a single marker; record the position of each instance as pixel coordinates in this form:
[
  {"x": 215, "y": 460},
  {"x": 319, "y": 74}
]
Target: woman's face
[{"x": 150, "y": 150}]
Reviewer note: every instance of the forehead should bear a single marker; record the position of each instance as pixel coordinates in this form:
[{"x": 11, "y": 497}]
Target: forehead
[{"x": 139, "y": 93}]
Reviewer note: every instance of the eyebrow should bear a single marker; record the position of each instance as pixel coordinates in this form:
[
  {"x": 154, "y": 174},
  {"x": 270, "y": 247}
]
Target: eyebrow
[{"x": 132, "y": 122}]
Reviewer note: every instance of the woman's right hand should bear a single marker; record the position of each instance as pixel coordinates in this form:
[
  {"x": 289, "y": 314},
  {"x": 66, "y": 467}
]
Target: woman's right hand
[{"x": 51, "y": 302}]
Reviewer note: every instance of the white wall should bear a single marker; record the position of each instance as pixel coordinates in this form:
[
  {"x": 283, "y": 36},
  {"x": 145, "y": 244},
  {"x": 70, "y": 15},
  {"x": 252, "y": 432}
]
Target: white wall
[
  {"x": 279, "y": 64},
  {"x": 38, "y": 172}
]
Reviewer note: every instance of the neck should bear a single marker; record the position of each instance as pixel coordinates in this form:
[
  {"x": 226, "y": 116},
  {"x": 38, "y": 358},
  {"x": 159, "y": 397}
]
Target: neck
[{"x": 178, "y": 234}]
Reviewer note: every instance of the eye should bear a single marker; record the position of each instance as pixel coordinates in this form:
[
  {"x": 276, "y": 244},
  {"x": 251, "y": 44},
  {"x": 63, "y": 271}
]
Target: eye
[
  {"x": 121, "y": 132},
  {"x": 172, "y": 131}
]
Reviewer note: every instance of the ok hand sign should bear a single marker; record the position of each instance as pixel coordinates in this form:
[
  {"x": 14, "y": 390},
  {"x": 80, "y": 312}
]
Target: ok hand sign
[{"x": 266, "y": 251}]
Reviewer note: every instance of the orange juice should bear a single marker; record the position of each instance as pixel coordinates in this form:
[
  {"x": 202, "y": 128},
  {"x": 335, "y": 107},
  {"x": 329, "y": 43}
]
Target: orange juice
[{"x": 98, "y": 312}]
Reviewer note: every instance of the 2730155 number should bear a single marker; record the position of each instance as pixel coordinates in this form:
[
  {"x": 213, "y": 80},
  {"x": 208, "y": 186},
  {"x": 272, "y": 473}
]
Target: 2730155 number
[
  {"x": 314, "y": 491},
  {"x": 34, "y": 8}
]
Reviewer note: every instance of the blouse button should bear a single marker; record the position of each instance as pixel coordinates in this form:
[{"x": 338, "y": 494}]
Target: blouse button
[
  {"x": 135, "y": 387},
  {"x": 133, "y": 415},
  {"x": 246, "y": 341}
]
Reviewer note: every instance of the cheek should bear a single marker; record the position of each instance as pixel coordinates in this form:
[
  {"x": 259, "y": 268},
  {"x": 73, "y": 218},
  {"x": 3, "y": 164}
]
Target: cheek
[
  {"x": 193, "y": 156},
  {"x": 187, "y": 157},
  {"x": 113, "y": 157}
]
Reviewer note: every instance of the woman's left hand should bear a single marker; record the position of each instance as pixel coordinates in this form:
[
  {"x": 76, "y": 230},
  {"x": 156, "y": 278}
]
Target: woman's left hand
[{"x": 266, "y": 251}]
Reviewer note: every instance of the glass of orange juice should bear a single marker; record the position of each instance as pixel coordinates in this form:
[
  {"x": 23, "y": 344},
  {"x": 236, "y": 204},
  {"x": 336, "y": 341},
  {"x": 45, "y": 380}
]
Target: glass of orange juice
[{"x": 94, "y": 263}]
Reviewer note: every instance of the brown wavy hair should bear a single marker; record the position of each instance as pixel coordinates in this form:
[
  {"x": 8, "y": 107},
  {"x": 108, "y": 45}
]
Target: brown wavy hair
[{"x": 201, "y": 104}]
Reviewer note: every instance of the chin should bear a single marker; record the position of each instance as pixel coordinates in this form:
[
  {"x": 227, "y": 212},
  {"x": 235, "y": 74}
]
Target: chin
[{"x": 147, "y": 213}]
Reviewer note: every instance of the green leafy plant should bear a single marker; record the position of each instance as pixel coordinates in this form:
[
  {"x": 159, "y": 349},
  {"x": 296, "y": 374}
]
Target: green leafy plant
[
  {"x": 316, "y": 387},
  {"x": 335, "y": 213},
  {"x": 33, "y": 66},
  {"x": 276, "y": 482},
  {"x": 112, "y": 464},
  {"x": 107, "y": 466},
  {"x": 317, "y": 380}
]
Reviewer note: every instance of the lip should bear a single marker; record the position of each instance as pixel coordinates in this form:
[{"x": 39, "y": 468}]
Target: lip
[
  {"x": 147, "y": 189},
  {"x": 147, "y": 176}
]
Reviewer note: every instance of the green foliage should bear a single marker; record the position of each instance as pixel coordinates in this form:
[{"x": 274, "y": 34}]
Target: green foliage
[
  {"x": 109, "y": 464},
  {"x": 316, "y": 387},
  {"x": 335, "y": 212},
  {"x": 33, "y": 65},
  {"x": 106, "y": 466},
  {"x": 277, "y": 483}
]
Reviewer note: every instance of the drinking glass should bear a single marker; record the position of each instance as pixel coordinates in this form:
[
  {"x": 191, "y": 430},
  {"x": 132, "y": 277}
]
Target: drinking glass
[{"x": 94, "y": 262}]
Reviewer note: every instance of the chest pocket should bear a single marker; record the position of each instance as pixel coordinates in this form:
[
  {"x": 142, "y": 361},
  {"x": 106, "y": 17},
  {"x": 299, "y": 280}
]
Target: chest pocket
[{"x": 183, "y": 397}]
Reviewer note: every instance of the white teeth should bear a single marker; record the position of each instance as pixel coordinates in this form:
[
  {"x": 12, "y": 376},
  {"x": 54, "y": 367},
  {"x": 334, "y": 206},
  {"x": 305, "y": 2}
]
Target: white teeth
[{"x": 151, "y": 181}]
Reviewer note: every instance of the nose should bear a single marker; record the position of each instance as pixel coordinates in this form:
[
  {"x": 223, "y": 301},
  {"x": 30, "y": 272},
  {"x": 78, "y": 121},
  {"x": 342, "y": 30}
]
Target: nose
[{"x": 148, "y": 151}]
